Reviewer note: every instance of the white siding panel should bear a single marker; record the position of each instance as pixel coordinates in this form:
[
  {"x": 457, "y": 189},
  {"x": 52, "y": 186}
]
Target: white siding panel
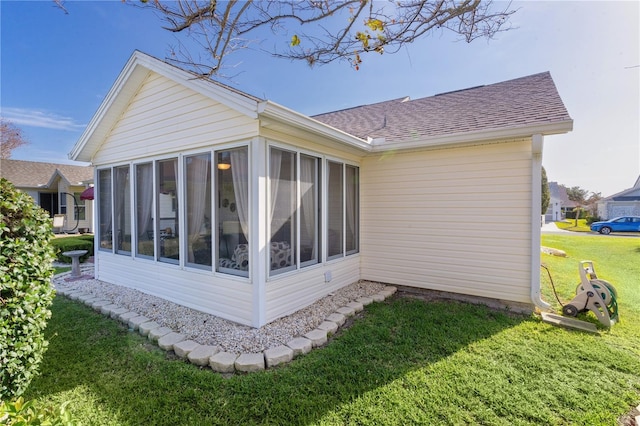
[
  {"x": 165, "y": 117},
  {"x": 455, "y": 220},
  {"x": 214, "y": 294},
  {"x": 292, "y": 292}
]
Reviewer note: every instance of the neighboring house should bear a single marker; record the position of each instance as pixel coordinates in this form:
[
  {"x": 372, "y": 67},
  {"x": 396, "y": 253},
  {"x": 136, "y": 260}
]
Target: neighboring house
[
  {"x": 625, "y": 203},
  {"x": 54, "y": 187},
  {"x": 239, "y": 207},
  {"x": 559, "y": 203}
]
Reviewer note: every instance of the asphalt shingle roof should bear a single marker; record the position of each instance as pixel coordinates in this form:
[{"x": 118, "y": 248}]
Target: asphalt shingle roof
[
  {"x": 532, "y": 100},
  {"x": 31, "y": 174}
]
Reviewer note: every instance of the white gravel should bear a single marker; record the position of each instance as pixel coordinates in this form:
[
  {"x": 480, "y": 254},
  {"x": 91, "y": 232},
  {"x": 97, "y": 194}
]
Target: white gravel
[{"x": 208, "y": 329}]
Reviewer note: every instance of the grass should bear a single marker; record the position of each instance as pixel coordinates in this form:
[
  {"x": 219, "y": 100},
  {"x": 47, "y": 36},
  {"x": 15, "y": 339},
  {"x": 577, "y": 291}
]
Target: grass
[
  {"x": 404, "y": 361},
  {"x": 570, "y": 225}
]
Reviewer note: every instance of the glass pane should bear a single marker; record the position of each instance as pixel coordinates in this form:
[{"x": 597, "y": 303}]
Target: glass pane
[
  {"x": 167, "y": 199},
  {"x": 198, "y": 213},
  {"x": 79, "y": 210},
  {"x": 105, "y": 233},
  {"x": 352, "y": 210},
  {"x": 309, "y": 210},
  {"x": 335, "y": 209},
  {"x": 144, "y": 209},
  {"x": 282, "y": 181},
  {"x": 122, "y": 210},
  {"x": 232, "y": 186}
]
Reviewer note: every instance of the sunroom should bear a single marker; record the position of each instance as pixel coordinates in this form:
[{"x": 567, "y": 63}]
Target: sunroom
[{"x": 239, "y": 207}]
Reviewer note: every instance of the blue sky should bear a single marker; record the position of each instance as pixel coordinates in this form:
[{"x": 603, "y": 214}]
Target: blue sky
[{"x": 56, "y": 69}]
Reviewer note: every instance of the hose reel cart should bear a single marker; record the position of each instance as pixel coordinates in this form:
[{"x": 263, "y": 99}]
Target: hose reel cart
[{"x": 593, "y": 294}]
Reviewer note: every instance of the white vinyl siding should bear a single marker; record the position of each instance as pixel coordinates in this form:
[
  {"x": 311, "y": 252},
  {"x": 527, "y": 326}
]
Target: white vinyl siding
[
  {"x": 218, "y": 295},
  {"x": 165, "y": 117},
  {"x": 455, "y": 220}
]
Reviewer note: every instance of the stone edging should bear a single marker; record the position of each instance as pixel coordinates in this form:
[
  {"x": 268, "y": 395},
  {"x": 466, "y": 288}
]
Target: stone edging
[{"x": 212, "y": 356}]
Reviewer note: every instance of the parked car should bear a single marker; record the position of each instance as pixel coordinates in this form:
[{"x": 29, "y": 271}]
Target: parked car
[{"x": 619, "y": 224}]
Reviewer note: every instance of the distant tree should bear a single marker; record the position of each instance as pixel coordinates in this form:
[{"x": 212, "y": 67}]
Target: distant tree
[
  {"x": 11, "y": 137},
  {"x": 584, "y": 199},
  {"x": 318, "y": 32},
  {"x": 546, "y": 194}
]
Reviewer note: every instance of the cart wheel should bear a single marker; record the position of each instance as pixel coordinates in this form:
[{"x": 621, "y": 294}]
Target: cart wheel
[{"x": 569, "y": 311}]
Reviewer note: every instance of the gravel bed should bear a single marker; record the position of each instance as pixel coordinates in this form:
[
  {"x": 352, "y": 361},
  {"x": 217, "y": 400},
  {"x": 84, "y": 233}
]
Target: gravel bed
[{"x": 208, "y": 329}]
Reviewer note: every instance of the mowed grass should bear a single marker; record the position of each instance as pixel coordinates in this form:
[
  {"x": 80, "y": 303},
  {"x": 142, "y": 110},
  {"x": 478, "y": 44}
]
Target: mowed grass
[{"x": 404, "y": 361}]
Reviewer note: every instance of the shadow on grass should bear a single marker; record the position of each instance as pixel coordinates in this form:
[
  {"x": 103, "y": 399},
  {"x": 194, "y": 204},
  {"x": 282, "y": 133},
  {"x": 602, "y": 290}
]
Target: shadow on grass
[{"x": 136, "y": 383}]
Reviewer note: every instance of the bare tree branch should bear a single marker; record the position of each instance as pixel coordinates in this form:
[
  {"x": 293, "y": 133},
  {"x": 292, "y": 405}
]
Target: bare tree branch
[
  {"x": 11, "y": 137},
  {"x": 321, "y": 31}
]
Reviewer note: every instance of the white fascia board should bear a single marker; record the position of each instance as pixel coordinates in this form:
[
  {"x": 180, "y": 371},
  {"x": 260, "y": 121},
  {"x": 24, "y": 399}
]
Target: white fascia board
[
  {"x": 475, "y": 137},
  {"x": 272, "y": 111}
]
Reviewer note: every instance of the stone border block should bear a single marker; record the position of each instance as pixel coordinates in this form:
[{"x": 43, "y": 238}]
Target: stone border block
[
  {"x": 167, "y": 341},
  {"x": 157, "y": 333},
  {"x": 329, "y": 326},
  {"x": 115, "y": 313},
  {"x": 223, "y": 362},
  {"x": 183, "y": 348},
  {"x": 134, "y": 323},
  {"x": 127, "y": 316},
  {"x": 300, "y": 345},
  {"x": 346, "y": 311},
  {"x": 390, "y": 288},
  {"x": 249, "y": 363},
  {"x": 146, "y": 327},
  {"x": 201, "y": 354},
  {"x": 278, "y": 355},
  {"x": 317, "y": 337},
  {"x": 378, "y": 297},
  {"x": 336, "y": 317},
  {"x": 356, "y": 306},
  {"x": 364, "y": 300},
  {"x": 106, "y": 309}
]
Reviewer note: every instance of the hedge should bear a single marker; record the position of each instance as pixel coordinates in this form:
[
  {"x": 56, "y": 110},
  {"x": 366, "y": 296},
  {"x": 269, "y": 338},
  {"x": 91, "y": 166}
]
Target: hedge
[{"x": 26, "y": 257}]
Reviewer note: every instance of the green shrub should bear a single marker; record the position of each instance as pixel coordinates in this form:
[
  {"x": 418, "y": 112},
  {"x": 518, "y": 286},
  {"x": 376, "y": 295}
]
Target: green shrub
[
  {"x": 19, "y": 412},
  {"x": 64, "y": 244},
  {"x": 25, "y": 288}
]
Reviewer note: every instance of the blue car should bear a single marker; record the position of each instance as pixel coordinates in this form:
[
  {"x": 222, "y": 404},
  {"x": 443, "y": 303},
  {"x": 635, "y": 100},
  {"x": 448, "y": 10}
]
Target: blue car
[{"x": 619, "y": 224}]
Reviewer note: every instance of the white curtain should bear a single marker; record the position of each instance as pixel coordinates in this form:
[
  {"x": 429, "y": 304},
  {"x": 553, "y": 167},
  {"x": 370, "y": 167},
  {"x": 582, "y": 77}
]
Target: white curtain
[
  {"x": 198, "y": 169},
  {"x": 240, "y": 174},
  {"x": 144, "y": 194},
  {"x": 106, "y": 232},
  {"x": 308, "y": 200},
  {"x": 275, "y": 163},
  {"x": 351, "y": 184}
]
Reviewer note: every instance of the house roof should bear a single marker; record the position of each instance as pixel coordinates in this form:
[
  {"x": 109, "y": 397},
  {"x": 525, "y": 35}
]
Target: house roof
[
  {"x": 32, "y": 174},
  {"x": 513, "y": 109},
  {"x": 630, "y": 194},
  {"x": 520, "y": 103},
  {"x": 559, "y": 192}
]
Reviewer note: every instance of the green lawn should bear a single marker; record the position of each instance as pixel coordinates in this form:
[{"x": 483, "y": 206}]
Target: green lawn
[
  {"x": 404, "y": 361},
  {"x": 570, "y": 225}
]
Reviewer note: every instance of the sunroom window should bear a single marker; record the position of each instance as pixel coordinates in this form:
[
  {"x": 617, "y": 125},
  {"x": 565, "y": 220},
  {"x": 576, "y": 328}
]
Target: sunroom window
[
  {"x": 342, "y": 209},
  {"x": 232, "y": 170},
  {"x": 105, "y": 233},
  {"x": 122, "y": 210},
  {"x": 198, "y": 210},
  {"x": 167, "y": 211},
  {"x": 294, "y": 214},
  {"x": 144, "y": 210}
]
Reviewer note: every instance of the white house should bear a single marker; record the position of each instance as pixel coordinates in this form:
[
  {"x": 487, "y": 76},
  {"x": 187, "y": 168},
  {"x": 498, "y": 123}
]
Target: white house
[
  {"x": 239, "y": 207},
  {"x": 57, "y": 188},
  {"x": 624, "y": 203}
]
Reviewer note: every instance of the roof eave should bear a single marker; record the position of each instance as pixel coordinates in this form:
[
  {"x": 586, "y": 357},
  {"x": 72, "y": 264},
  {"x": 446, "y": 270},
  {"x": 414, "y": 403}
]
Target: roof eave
[
  {"x": 455, "y": 139},
  {"x": 272, "y": 111}
]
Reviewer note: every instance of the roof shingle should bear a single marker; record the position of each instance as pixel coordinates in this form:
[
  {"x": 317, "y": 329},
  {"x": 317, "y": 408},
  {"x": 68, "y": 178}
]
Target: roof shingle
[
  {"x": 531, "y": 100},
  {"x": 32, "y": 174}
]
